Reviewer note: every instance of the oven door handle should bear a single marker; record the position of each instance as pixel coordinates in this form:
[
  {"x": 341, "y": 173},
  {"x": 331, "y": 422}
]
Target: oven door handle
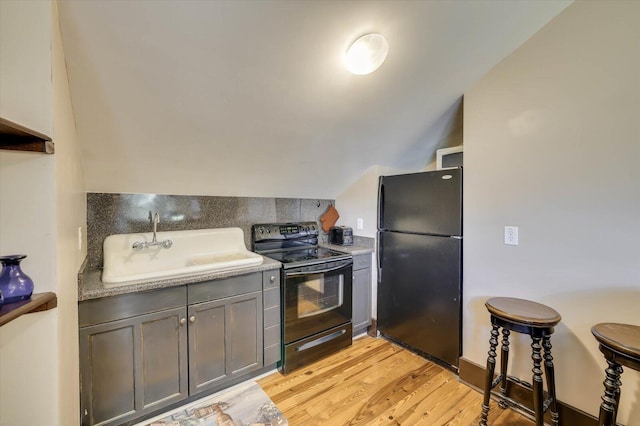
[
  {"x": 320, "y": 341},
  {"x": 320, "y": 271}
]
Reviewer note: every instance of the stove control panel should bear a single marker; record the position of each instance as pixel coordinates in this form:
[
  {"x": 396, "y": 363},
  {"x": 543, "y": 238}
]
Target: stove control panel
[{"x": 271, "y": 231}]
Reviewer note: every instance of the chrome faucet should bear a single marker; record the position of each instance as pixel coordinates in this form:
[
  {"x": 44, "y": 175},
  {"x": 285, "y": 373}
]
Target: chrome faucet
[{"x": 155, "y": 220}]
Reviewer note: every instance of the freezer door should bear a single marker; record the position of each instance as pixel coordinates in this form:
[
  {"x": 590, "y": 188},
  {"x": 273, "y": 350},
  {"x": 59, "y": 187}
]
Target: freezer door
[
  {"x": 421, "y": 203},
  {"x": 420, "y": 293}
]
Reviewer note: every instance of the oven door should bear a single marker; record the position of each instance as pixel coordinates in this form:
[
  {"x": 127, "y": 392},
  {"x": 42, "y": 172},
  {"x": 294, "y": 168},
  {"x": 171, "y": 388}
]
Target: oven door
[{"x": 316, "y": 298}]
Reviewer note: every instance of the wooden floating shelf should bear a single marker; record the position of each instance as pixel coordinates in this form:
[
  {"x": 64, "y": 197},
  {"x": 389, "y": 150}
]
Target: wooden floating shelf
[
  {"x": 38, "y": 302},
  {"x": 19, "y": 138}
]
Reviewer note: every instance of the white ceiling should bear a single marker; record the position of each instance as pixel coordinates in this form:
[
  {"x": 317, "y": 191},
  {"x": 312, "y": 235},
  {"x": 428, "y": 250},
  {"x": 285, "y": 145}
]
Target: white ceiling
[{"x": 251, "y": 98}]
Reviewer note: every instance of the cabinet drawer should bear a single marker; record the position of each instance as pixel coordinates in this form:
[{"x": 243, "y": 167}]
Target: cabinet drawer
[
  {"x": 272, "y": 316},
  {"x": 272, "y": 335},
  {"x": 362, "y": 261},
  {"x": 272, "y": 354},
  {"x": 106, "y": 309},
  {"x": 271, "y": 298},
  {"x": 271, "y": 279},
  {"x": 218, "y": 289}
]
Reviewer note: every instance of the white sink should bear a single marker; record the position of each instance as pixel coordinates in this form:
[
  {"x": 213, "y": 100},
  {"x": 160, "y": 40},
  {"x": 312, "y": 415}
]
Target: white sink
[{"x": 192, "y": 253}]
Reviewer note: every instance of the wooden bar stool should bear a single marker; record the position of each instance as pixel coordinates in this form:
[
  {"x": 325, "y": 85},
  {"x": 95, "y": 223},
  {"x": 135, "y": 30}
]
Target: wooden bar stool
[
  {"x": 536, "y": 320},
  {"x": 620, "y": 344}
]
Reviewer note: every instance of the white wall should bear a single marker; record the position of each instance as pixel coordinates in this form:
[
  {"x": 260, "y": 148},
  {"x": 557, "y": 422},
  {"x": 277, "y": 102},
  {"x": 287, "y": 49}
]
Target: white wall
[
  {"x": 42, "y": 205},
  {"x": 360, "y": 201},
  {"x": 71, "y": 214},
  {"x": 25, "y": 68},
  {"x": 28, "y": 345},
  {"x": 552, "y": 145}
]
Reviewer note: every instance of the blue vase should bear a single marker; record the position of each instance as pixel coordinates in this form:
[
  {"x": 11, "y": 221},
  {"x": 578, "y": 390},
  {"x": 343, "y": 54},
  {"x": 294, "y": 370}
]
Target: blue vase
[{"x": 15, "y": 285}]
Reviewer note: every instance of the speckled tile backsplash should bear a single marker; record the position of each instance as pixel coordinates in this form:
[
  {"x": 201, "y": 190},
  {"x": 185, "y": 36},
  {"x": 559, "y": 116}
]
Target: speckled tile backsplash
[{"x": 129, "y": 213}]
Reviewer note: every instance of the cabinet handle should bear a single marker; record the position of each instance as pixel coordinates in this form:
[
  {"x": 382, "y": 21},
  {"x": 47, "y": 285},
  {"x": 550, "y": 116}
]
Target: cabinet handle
[
  {"x": 272, "y": 279},
  {"x": 183, "y": 321},
  {"x": 192, "y": 319}
]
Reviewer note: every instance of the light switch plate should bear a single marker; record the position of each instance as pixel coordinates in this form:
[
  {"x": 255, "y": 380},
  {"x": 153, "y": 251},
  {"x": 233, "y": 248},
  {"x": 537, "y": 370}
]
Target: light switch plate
[
  {"x": 359, "y": 223},
  {"x": 511, "y": 235}
]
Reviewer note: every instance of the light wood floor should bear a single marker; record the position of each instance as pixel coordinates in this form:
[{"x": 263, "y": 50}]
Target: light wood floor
[{"x": 376, "y": 382}]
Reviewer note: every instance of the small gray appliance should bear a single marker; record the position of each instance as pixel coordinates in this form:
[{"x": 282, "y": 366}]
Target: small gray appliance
[{"x": 341, "y": 235}]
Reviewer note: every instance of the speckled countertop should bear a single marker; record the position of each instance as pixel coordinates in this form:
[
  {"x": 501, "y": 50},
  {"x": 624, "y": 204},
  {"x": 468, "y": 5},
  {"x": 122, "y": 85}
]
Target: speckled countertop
[
  {"x": 361, "y": 245},
  {"x": 90, "y": 284}
]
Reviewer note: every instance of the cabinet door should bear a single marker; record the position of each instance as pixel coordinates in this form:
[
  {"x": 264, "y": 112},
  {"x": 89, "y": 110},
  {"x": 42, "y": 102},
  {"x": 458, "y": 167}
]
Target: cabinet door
[
  {"x": 132, "y": 366},
  {"x": 225, "y": 340},
  {"x": 163, "y": 359},
  {"x": 107, "y": 365},
  {"x": 244, "y": 334},
  {"x": 361, "y": 300},
  {"x": 207, "y": 353}
]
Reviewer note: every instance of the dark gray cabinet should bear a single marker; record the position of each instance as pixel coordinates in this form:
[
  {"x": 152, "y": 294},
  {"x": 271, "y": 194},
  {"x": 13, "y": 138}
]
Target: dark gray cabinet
[
  {"x": 272, "y": 317},
  {"x": 361, "y": 314},
  {"x": 225, "y": 340},
  {"x": 133, "y": 366},
  {"x": 140, "y": 352}
]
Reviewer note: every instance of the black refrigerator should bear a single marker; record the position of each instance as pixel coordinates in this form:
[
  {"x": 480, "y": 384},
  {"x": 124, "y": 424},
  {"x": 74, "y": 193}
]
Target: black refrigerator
[{"x": 420, "y": 262}]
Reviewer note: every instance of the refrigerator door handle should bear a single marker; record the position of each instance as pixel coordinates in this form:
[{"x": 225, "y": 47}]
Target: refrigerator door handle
[
  {"x": 381, "y": 204},
  {"x": 379, "y": 250}
]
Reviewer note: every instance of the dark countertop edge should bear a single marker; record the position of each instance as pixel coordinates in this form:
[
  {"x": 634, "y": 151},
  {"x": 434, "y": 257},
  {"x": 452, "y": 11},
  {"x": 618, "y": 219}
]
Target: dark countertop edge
[
  {"x": 90, "y": 285},
  {"x": 361, "y": 245}
]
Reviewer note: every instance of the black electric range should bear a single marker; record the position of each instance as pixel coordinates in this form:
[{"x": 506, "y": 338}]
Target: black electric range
[{"x": 316, "y": 291}]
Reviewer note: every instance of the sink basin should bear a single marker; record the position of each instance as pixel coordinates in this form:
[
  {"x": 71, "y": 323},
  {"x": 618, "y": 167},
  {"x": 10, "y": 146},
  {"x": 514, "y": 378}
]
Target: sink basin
[{"x": 193, "y": 252}]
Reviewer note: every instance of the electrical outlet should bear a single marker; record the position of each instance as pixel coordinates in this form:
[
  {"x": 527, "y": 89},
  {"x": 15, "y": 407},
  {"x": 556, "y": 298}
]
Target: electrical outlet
[
  {"x": 511, "y": 235},
  {"x": 359, "y": 223}
]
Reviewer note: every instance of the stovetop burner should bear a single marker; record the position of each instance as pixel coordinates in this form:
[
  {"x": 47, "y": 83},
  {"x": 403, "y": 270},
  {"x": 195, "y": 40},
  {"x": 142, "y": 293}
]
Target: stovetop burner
[{"x": 292, "y": 244}]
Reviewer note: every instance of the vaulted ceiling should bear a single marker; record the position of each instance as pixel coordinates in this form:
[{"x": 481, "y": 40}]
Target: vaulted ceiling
[{"x": 251, "y": 98}]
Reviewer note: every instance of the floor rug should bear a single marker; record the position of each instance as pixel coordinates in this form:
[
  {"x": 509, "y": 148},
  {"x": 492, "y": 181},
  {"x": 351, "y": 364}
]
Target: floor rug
[{"x": 242, "y": 405}]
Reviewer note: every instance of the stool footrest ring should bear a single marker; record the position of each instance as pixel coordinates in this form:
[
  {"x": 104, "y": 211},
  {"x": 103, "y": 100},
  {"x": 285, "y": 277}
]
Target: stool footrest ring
[
  {"x": 512, "y": 403},
  {"x": 514, "y": 379},
  {"x": 497, "y": 381},
  {"x": 521, "y": 382}
]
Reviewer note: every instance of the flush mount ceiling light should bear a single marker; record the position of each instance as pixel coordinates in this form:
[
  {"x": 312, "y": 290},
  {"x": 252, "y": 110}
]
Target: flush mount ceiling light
[{"x": 366, "y": 54}]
